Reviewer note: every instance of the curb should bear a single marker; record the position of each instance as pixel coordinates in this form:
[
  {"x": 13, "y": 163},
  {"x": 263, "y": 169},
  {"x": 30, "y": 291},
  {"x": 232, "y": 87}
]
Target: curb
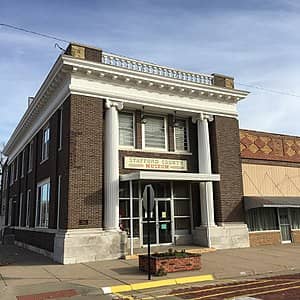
[{"x": 154, "y": 284}]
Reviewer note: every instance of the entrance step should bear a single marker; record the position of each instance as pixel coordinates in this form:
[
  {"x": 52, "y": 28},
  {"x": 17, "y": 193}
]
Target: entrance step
[{"x": 189, "y": 248}]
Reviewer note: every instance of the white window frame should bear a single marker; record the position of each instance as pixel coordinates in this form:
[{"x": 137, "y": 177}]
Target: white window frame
[
  {"x": 23, "y": 164},
  {"x": 60, "y": 129},
  {"x": 40, "y": 184},
  {"x": 133, "y": 129},
  {"x": 45, "y": 154},
  {"x": 20, "y": 209},
  {"x": 28, "y": 198},
  {"x": 166, "y": 134},
  {"x": 30, "y": 156},
  {"x": 187, "y": 136}
]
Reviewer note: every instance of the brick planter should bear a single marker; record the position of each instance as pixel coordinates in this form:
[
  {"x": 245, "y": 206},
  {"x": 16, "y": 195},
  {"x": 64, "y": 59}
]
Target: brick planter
[{"x": 170, "y": 264}]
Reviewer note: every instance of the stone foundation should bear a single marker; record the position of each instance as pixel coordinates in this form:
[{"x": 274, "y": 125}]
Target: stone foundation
[
  {"x": 229, "y": 235},
  {"x": 84, "y": 245}
]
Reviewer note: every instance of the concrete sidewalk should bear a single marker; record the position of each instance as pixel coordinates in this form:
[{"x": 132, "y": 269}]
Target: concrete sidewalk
[{"x": 23, "y": 272}]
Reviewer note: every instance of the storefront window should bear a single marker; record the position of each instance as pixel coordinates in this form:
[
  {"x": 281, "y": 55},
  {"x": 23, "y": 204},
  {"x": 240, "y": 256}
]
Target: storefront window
[
  {"x": 260, "y": 219},
  {"x": 295, "y": 218},
  {"x": 42, "y": 208}
]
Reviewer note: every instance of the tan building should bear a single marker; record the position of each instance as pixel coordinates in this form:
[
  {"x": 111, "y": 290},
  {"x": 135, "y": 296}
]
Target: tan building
[{"x": 271, "y": 182}]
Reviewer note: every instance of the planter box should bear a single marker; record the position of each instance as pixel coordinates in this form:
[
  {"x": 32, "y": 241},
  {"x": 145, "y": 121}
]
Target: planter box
[{"x": 170, "y": 264}]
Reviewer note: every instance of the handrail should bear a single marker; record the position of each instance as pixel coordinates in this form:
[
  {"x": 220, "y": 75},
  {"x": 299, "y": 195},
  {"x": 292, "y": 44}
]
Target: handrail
[{"x": 145, "y": 67}]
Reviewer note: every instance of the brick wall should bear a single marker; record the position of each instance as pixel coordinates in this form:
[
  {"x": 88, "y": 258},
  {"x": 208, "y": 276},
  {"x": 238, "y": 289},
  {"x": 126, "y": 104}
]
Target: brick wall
[
  {"x": 264, "y": 238},
  {"x": 85, "y": 191},
  {"x": 296, "y": 236},
  {"x": 226, "y": 161}
]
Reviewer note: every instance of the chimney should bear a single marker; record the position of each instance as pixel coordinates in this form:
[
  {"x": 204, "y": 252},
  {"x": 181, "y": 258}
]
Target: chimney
[
  {"x": 223, "y": 81},
  {"x": 30, "y": 99},
  {"x": 84, "y": 52}
]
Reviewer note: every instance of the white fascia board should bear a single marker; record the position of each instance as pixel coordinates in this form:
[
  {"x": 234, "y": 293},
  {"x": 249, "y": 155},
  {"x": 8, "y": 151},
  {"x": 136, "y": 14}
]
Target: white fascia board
[
  {"x": 27, "y": 132},
  {"x": 32, "y": 107},
  {"x": 100, "y": 67},
  {"x": 145, "y": 97},
  {"x": 176, "y": 176}
]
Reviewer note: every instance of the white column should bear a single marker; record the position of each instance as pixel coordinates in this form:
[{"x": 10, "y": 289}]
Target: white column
[
  {"x": 111, "y": 165},
  {"x": 204, "y": 159}
]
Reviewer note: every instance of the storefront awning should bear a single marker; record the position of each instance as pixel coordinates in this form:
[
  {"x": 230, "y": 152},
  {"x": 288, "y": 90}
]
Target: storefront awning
[
  {"x": 175, "y": 176},
  {"x": 256, "y": 202}
]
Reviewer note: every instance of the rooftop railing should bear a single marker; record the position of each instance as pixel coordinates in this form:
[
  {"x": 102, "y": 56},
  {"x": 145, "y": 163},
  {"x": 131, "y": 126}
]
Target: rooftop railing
[{"x": 149, "y": 68}]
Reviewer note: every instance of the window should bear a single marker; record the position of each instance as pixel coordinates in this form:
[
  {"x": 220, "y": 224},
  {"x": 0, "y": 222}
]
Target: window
[
  {"x": 126, "y": 129},
  {"x": 295, "y": 217},
  {"x": 58, "y": 200},
  {"x": 155, "y": 132},
  {"x": 20, "y": 209},
  {"x": 28, "y": 199},
  {"x": 259, "y": 219},
  {"x": 30, "y": 157},
  {"x": 10, "y": 204},
  {"x": 23, "y": 164},
  {"x": 17, "y": 168},
  {"x": 60, "y": 128},
  {"x": 45, "y": 143},
  {"x": 181, "y": 136},
  {"x": 182, "y": 208},
  {"x": 12, "y": 173},
  {"x": 42, "y": 207},
  {"x": 126, "y": 206}
]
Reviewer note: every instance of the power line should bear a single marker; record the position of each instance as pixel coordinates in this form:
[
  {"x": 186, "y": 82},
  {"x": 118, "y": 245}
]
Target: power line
[
  {"x": 269, "y": 90},
  {"x": 34, "y": 32},
  {"x": 66, "y": 41}
]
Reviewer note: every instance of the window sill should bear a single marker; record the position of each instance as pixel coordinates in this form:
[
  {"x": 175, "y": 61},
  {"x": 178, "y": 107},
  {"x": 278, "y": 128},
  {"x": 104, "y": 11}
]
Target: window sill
[
  {"x": 39, "y": 229},
  {"x": 59, "y": 149},
  {"x": 44, "y": 160}
]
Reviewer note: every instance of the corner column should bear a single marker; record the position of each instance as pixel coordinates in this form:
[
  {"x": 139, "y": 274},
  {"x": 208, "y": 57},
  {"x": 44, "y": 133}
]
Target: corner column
[
  {"x": 204, "y": 157},
  {"x": 111, "y": 165}
]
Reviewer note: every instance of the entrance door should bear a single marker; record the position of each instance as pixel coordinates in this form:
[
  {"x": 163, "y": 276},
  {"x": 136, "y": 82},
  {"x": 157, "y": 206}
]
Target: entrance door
[
  {"x": 160, "y": 223},
  {"x": 284, "y": 223}
]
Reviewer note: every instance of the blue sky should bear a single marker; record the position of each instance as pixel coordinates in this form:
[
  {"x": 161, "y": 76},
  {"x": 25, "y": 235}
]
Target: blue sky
[{"x": 256, "y": 41}]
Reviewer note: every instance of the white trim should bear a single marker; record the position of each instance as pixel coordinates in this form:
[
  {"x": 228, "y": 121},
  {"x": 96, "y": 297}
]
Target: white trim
[
  {"x": 176, "y": 176},
  {"x": 121, "y": 148}
]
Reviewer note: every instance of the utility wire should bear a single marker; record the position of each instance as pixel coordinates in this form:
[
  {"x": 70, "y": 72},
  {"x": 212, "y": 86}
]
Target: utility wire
[
  {"x": 66, "y": 41},
  {"x": 34, "y": 32}
]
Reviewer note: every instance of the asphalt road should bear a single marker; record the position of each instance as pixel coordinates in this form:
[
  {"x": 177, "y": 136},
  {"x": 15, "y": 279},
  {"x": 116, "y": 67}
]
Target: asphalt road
[{"x": 285, "y": 287}]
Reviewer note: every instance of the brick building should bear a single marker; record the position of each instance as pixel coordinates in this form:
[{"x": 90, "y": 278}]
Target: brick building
[{"x": 99, "y": 129}]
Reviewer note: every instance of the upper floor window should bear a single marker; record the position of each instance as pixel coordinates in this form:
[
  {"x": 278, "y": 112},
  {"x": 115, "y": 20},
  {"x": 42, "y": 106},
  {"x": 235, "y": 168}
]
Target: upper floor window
[
  {"x": 16, "y": 168},
  {"x": 12, "y": 173},
  {"x": 45, "y": 143},
  {"x": 30, "y": 156},
  {"x": 42, "y": 204},
  {"x": 60, "y": 128},
  {"x": 181, "y": 135},
  {"x": 23, "y": 163},
  {"x": 126, "y": 129},
  {"x": 155, "y": 132}
]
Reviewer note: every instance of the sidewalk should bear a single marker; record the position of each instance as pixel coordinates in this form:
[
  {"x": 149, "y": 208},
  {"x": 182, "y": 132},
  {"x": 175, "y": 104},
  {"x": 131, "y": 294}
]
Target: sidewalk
[{"x": 23, "y": 272}]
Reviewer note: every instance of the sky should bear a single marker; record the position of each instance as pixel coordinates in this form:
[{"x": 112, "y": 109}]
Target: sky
[{"x": 255, "y": 41}]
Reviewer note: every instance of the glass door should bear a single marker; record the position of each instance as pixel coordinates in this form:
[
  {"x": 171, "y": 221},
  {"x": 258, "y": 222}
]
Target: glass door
[
  {"x": 160, "y": 223},
  {"x": 284, "y": 223}
]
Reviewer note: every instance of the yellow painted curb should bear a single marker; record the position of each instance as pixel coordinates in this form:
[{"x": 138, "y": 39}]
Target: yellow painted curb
[{"x": 155, "y": 283}]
